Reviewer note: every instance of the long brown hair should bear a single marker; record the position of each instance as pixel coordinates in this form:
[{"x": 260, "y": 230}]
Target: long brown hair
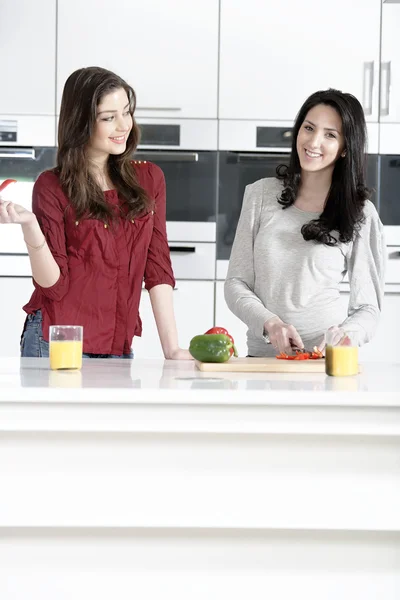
[{"x": 82, "y": 93}]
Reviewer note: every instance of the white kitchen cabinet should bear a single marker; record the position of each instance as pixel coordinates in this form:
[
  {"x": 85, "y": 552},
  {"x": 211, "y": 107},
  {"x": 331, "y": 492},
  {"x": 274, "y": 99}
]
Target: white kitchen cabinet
[
  {"x": 27, "y": 57},
  {"x": 389, "y": 140},
  {"x": 385, "y": 342},
  {"x": 15, "y": 292},
  {"x": 274, "y": 54},
  {"x": 167, "y": 51},
  {"x": 225, "y": 318},
  {"x": 194, "y": 313},
  {"x": 390, "y": 64}
]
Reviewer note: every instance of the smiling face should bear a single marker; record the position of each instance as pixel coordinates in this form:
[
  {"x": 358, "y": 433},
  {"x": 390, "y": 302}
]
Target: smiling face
[
  {"x": 113, "y": 125},
  {"x": 320, "y": 141}
]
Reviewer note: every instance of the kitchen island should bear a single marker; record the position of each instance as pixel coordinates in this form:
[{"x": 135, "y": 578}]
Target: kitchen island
[{"x": 150, "y": 479}]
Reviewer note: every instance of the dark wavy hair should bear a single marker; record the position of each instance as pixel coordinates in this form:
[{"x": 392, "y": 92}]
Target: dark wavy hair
[
  {"x": 343, "y": 210},
  {"x": 83, "y": 91}
]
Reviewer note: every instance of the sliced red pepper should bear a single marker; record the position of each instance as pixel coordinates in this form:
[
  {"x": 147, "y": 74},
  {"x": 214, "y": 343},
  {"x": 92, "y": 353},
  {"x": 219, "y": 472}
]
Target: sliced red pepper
[
  {"x": 283, "y": 356},
  {"x": 316, "y": 354},
  {"x": 302, "y": 356},
  {"x": 5, "y": 183},
  {"x": 223, "y": 331}
]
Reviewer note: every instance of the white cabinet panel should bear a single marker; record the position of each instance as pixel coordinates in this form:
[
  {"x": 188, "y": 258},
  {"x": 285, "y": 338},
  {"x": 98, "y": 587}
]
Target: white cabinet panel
[
  {"x": 193, "y": 260},
  {"x": 390, "y": 64},
  {"x": 167, "y": 51},
  {"x": 385, "y": 341},
  {"x": 225, "y": 318},
  {"x": 15, "y": 292},
  {"x": 27, "y": 57},
  {"x": 194, "y": 313},
  {"x": 273, "y": 55},
  {"x": 389, "y": 139}
]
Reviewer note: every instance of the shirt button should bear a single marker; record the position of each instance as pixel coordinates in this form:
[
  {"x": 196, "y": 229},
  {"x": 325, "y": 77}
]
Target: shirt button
[
  {"x": 152, "y": 212},
  {"x": 105, "y": 225},
  {"x": 133, "y": 220},
  {"x": 76, "y": 222}
]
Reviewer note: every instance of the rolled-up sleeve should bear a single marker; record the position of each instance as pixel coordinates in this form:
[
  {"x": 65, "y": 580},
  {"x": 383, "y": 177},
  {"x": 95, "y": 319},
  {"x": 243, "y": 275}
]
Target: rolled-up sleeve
[
  {"x": 158, "y": 269},
  {"x": 366, "y": 268},
  {"x": 48, "y": 204}
]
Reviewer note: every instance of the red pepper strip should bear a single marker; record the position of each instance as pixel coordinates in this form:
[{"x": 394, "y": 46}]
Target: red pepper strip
[
  {"x": 283, "y": 356},
  {"x": 6, "y": 182},
  {"x": 302, "y": 356},
  {"x": 223, "y": 331}
]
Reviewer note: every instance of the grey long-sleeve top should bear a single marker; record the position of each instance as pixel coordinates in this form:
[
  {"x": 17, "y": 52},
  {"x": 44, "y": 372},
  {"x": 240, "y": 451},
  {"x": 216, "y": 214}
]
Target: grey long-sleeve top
[{"x": 273, "y": 271}]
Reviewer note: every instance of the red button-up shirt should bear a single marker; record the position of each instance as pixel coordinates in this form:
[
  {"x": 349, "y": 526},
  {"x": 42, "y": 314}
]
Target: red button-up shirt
[{"x": 102, "y": 267}]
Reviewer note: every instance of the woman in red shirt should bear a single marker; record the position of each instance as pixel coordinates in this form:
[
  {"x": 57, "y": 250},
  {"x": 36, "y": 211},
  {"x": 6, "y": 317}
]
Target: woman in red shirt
[{"x": 97, "y": 229}]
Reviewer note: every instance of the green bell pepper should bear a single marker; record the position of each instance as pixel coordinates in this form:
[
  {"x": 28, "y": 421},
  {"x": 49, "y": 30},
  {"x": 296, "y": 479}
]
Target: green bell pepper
[{"x": 211, "y": 347}]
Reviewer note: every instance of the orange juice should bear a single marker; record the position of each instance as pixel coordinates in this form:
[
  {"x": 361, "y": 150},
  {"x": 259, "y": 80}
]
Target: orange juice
[
  {"x": 341, "y": 361},
  {"x": 65, "y": 355}
]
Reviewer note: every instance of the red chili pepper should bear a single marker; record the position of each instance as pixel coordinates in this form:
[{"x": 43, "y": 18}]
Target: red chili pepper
[
  {"x": 5, "y": 183},
  {"x": 223, "y": 331}
]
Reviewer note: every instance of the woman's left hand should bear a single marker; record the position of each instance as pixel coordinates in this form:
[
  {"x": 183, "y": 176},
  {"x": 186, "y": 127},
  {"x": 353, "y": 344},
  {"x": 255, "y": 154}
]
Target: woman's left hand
[
  {"x": 179, "y": 354},
  {"x": 336, "y": 334}
]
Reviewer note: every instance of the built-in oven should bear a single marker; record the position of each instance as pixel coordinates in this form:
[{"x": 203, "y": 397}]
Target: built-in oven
[
  {"x": 237, "y": 169},
  {"x": 186, "y": 151},
  {"x": 24, "y": 165},
  {"x": 389, "y": 196},
  {"x": 389, "y": 211}
]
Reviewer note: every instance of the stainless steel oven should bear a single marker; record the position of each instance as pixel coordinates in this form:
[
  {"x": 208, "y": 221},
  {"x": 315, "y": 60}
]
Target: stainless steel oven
[
  {"x": 191, "y": 179},
  {"x": 24, "y": 165},
  {"x": 186, "y": 151},
  {"x": 389, "y": 196}
]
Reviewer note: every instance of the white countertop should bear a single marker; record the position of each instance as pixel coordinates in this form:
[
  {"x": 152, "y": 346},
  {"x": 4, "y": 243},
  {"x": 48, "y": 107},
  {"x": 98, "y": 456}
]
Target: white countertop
[{"x": 116, "y": 381}]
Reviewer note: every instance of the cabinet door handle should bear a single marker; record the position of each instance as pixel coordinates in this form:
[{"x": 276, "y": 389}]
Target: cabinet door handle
[
  {"x": 165, "y": 108},
  {"x": 182, "y": 249},
  {"x": 385, "y": 88},
  {"x": 18, "y": 153},
  {"x": 394, "y": 255},
  {"x": 368, "y": 87},
  {"x": 166, "y": 156}
]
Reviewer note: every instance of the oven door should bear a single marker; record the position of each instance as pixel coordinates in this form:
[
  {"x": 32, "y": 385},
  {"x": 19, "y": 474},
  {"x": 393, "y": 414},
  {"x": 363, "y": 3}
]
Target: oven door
[
  {"x": 24, "y": 165},
  {"x": 389, "y": 197},
  {"x": 191, "y": 183},
  {"x": 237, "y": 170}
]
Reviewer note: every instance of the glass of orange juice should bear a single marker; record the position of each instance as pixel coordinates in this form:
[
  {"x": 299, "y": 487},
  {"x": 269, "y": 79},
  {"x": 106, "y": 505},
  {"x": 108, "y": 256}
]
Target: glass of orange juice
[
  {"x": 341, "y": 353},
  {"x": 66, "y": 342}
]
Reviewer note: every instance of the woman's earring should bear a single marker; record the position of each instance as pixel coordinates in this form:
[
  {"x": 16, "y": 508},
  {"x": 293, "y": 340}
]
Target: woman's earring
[{"x": 343, "y": 154}]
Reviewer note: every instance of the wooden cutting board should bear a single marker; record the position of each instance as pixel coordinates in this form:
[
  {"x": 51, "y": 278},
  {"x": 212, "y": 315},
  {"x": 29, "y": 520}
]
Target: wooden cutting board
[{"x": 264, "y": 365}]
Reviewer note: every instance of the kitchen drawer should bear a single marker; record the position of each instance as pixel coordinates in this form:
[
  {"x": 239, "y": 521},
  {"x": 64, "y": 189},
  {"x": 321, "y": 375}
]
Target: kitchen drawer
[
  {"x": 15, "y": 265},
  {"x": 189, "y": 261},
  {"x": 193, "y": 260},
  {"x": 15, "y": 292},
  {"x": 393, "y": 264}
]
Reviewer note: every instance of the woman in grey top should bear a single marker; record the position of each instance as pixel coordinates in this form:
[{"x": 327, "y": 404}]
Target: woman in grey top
[{"x": 301, "y": 232}]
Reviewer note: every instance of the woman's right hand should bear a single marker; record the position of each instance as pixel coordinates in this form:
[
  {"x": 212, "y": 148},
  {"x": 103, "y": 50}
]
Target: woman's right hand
[
  {"x": 14, "y": 213},
  {"x": 283, "y": 337}
]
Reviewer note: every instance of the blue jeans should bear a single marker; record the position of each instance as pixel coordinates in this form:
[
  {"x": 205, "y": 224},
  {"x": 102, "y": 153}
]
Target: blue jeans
[{"x": 33, "y": 344}]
